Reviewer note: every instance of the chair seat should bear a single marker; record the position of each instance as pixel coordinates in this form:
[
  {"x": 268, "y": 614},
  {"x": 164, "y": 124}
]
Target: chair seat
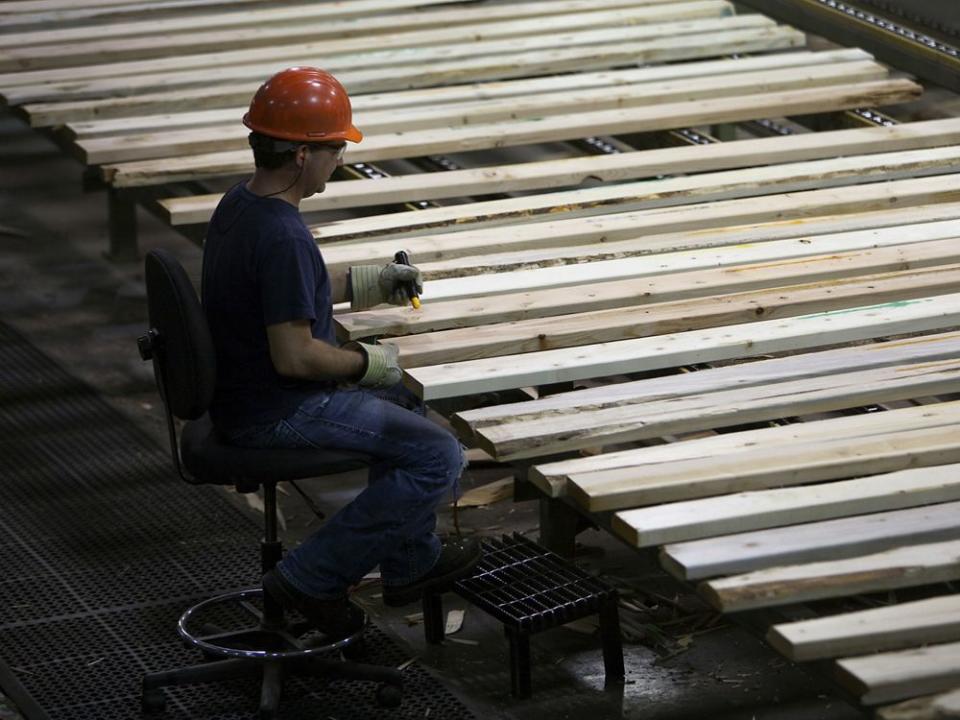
[{"x": 211, "y": 461}]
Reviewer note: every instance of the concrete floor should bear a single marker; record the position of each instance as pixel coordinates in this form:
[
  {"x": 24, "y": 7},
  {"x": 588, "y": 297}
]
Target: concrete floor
[{"x": 85, "y": 311}]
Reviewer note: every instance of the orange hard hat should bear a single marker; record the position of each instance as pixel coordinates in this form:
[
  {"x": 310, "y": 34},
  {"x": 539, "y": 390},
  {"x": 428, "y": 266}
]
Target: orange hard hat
[{"x": 302, "y": 104}]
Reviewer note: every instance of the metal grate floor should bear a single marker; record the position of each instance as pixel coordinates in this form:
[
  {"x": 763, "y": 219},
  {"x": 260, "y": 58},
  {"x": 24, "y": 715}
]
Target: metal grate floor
[{"x": 101, "y": 549}]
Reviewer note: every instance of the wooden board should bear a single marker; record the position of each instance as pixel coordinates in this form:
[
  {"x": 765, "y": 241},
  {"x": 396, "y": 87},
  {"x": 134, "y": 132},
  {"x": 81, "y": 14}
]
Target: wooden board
[
  {"x": 552, "y": 477},
  {"x": 480, "y": 137},
  {"x": 663, "y": 278},
  {"x": 945, "y": 706},
  {"x": 542, "y": 175},
  {"x": 556, "y": 432},
  {"x": 808, "y": 331},
  {"x": 442, "y": 95},
  {"x": 505, "y": 66},
  {"x": 812, "y": 542},
  {"x": 791, "y": 210},
  {"x": 893, "y": 676},
  {"x": 21, "y": 16},
  {"x": 904, "y": 625},
  {"x": 901, "y": 567},
  {"x": 234, "y": 137},
  {"x": 324, "y": 20},
  {"x": 647, "y": 320},
  {"x": 791, "y": 368},
  {"x": 741, "y": 512},
  {"x": 842, "y": 232},
  {"x": 160, "y": 37},
  {"x": 626, "y": 197},
  {"x": 828, "y": 459},
  {"x": 412, "y": 48}
]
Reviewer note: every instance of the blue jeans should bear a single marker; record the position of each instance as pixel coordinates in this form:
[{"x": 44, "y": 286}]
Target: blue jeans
[{"x": 392, "y": 522}]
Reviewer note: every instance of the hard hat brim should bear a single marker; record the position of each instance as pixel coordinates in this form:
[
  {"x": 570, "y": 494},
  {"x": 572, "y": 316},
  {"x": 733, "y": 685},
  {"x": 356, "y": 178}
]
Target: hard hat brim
[{"x": 351, "y": 134}]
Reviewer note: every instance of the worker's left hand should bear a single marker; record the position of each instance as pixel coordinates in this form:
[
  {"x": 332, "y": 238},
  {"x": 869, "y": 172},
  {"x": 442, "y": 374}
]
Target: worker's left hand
[
  {"x": 375, "y": 284},
  {"x": 382, "y": 367}
]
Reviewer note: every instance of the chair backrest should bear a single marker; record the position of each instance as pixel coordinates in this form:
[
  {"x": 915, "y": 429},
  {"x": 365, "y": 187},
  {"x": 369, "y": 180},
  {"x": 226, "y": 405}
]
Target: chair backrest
[{"x": 182, "y": 346}]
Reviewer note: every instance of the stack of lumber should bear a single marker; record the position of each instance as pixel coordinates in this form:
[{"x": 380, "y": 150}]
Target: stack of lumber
[
  {"x": 797, "y": 297},
  {"x": 156, "y": 98},
  {"x": 816, "y": 274}
]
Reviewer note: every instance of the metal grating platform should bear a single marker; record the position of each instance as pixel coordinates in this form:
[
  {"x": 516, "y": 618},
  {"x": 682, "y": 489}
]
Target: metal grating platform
[
  {"x": 101, "y": 549},
  {"x": 526, "y": 586},
  {"x": 531, "y": 589}
]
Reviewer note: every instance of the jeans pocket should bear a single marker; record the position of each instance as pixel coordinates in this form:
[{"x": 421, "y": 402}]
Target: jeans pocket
[
  {"x": 313, "y": 405},
  {"x": 285, "y": 435}
]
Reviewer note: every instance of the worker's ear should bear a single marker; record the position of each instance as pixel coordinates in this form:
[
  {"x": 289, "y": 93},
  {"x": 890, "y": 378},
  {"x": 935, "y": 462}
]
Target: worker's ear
[{"x": 301, "y": 155}]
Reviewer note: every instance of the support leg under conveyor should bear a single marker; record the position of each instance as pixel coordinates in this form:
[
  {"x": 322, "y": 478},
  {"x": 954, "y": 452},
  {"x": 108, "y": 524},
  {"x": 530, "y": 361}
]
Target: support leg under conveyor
[{"x": 122, "y": 212}]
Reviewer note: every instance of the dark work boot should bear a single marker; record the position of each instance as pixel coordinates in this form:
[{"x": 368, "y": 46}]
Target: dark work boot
[
  {"x": 458, "y": 556},
  {"x": 336, "y": 618}
]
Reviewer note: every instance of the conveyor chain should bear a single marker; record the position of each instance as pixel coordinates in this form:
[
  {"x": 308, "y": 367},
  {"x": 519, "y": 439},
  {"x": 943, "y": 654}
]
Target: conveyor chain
[
  {"x": 908, "y": 10},
  {"x": 892, "y": 27}
]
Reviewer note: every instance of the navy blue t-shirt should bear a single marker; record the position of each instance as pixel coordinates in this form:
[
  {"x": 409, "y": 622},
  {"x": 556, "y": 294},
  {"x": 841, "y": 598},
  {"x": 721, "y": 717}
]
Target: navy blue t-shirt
[{"x": 261, "y": 266}]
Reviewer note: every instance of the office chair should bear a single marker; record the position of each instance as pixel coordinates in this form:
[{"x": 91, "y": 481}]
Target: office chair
[{"x": 271, "y": 645}]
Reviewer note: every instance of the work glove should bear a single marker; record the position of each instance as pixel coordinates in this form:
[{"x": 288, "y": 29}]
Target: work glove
[
  {"x": 381, "y": 369},
  {"x": 375, "y": 284}
]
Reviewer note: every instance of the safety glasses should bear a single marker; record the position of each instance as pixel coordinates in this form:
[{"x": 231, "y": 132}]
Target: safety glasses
[{"x": 337, "y": 150}]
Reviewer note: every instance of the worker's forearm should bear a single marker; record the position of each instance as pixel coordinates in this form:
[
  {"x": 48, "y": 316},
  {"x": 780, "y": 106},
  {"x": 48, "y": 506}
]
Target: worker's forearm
[
  {"x": 321, "y": 361},
  {"x": 338, "y": 287}
]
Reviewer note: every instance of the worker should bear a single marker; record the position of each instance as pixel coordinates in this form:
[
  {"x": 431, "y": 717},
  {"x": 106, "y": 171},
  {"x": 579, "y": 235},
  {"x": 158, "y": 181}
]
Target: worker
[{"x": 282, "y": 381}]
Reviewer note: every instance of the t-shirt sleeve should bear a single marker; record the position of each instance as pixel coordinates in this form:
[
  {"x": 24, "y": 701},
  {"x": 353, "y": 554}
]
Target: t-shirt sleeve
[{"x": 288, "y": 272}]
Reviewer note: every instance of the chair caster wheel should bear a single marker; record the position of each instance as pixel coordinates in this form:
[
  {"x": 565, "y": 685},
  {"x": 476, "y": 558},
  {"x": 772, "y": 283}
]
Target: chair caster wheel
[
  {"x": 389, "y": 696},
  {"x": 153, "y": 701}
]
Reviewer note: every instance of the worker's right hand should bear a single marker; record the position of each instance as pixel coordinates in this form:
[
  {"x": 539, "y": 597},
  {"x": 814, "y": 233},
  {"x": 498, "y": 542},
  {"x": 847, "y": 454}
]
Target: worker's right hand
[
  {"x": 381, "y": 369},
  {"x": 372, "y": 285}
]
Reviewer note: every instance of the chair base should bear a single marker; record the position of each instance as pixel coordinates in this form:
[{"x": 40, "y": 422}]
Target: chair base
[
  {"x": 389, "y": 693},
  {"x": 273, "y": 648}
]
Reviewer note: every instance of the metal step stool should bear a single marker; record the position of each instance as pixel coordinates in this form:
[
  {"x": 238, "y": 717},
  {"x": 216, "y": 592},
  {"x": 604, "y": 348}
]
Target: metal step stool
[{"x": 530, "y": 589}]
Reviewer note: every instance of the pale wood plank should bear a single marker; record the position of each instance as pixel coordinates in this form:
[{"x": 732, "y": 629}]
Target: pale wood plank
[
  {"x": 459, "y": 139},
  {"x": 827, "y": 540},
  {"x": 324, "y": 19},
  {"x": 506, "y": 66},
  {"x": 455, "y": 71},
  {"x": 945, "y": 706},
  {"x": 15, "y": 7},
  {"x": 792, "y": 211},
  {"x": 16, "y": 18},
  {"x": 349, "y": 46},
  {"x": 670, "y": 277},
  {"x": 901, "y": 567},
  {"x": 444, "y": 94},
  {"x": 33, "y": 6},
  {"x": 497, "y": 19},
  {"x": 808, "y": 331},
  {"x": 761, "y": 509},
  {"x": 825, "y": 460},
  {"x": 552, "y": 477},
  {"x": 646, "y": 320},
  {"x": 905, "y": 625},
  {"x": 233, "y": 137},
  {"x": 556, "y": 432},
  {"x": 924, "y": 349},
  {"x": 618, "y": 167},
  {"x": 187, "y": 23},
  {"x": 817, "y": 230},
  {"x": 647, "y": 194},
  {"x": 893, "y": 676}
]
